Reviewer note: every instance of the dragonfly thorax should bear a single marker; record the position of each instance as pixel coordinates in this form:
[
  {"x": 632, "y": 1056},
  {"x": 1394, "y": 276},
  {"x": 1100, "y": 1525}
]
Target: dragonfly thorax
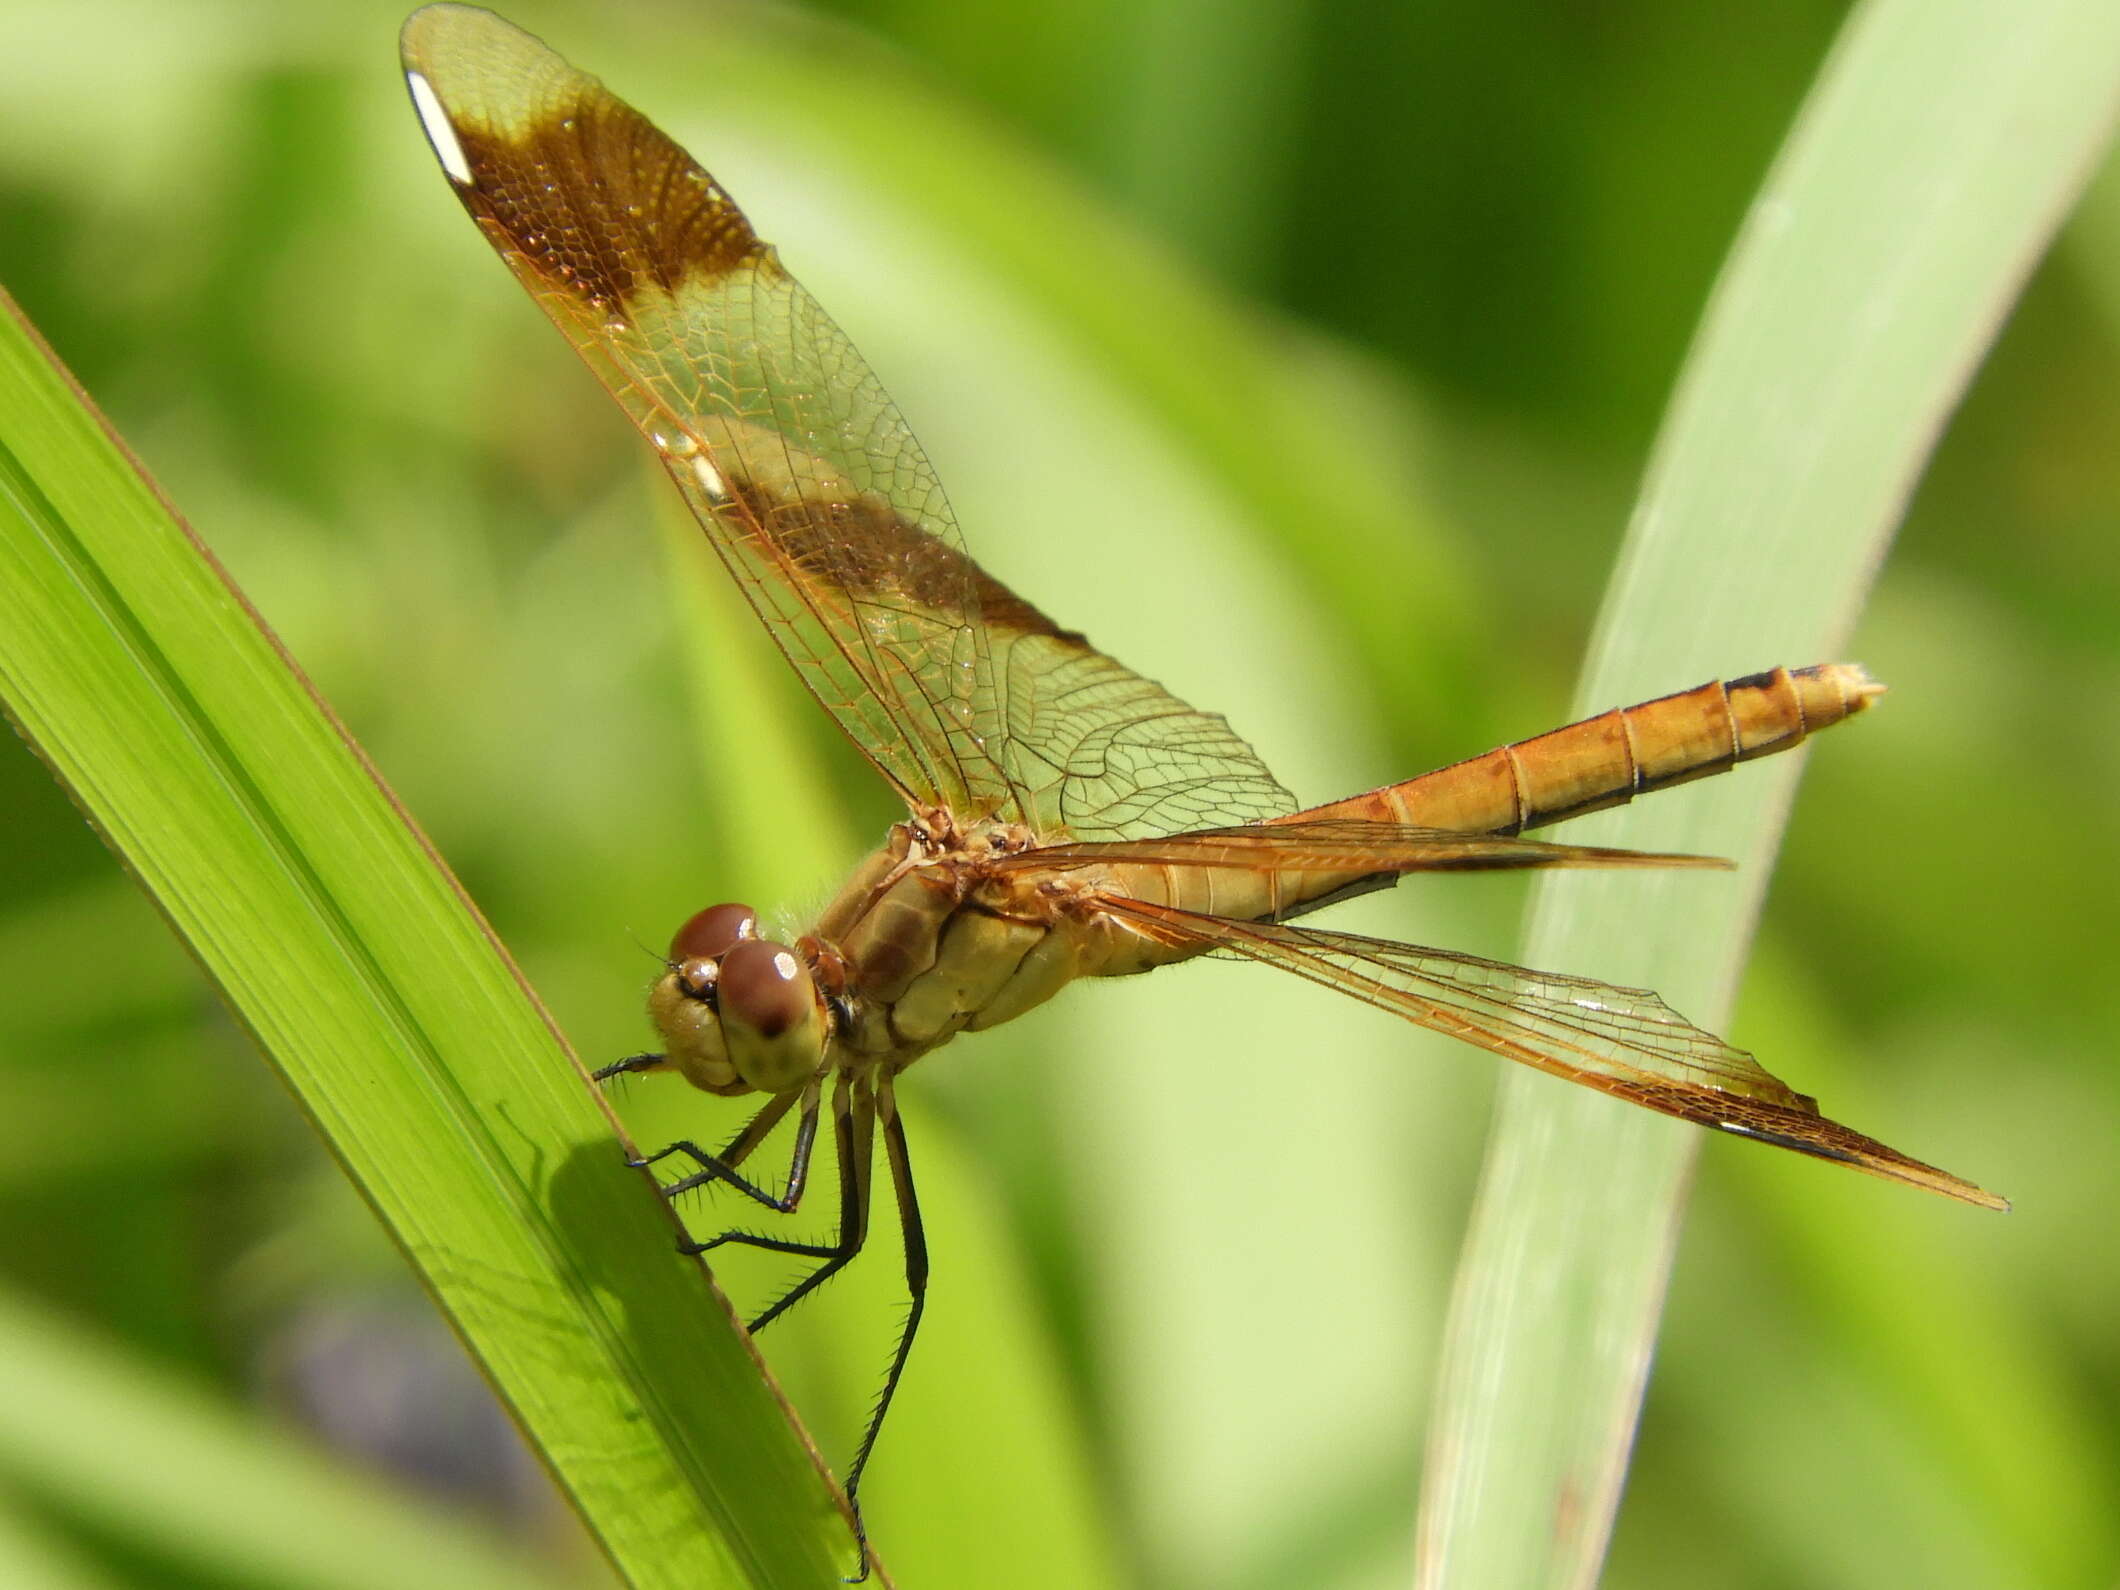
[{"x": 739, "y": 1013}]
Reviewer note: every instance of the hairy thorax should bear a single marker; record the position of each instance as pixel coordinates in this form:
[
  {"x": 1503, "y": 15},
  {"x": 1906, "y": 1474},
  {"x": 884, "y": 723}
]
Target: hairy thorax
[{"x": 937, "y": 934}]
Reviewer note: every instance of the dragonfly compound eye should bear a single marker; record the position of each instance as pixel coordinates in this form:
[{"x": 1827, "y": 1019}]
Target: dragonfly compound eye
[
  {"x": 772, "y": 1018},
  {"x": 710, "y": 934}
]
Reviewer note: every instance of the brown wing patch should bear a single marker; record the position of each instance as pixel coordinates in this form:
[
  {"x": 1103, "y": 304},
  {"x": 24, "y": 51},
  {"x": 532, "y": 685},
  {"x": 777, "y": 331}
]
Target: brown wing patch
[
  {"x": 664, "y": 219},
  {"x": 875, "y": 551},
  {"x": 573, "y": 182}
]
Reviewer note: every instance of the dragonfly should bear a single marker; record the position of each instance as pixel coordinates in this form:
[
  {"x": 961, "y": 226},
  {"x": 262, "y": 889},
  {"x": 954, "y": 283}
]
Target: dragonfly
[{"x": 1065, "y": 817}]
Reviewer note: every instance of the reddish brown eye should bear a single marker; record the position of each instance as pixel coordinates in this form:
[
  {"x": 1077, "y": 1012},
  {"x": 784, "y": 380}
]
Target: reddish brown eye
[
  {"x": 708, "y": 935},
  {"x": 764, "y": 988}
]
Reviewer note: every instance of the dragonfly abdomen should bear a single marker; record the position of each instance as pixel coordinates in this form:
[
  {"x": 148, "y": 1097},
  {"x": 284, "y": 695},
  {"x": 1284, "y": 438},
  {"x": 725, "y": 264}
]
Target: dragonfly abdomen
[{"x": 1611, "y": 758}]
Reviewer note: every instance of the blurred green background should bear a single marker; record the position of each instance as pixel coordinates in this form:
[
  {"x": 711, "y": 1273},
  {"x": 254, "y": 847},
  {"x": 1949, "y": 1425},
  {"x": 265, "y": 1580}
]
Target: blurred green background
[{"x": 1305, "y": 355}]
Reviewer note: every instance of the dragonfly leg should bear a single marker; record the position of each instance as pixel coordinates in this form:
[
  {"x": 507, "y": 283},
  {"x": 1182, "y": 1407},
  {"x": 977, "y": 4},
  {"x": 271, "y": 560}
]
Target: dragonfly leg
[
  {"x": 856, "y": 1103},
  {"x": 853, "y": 1132},
  {"x": 632, "y": 1062},
  {"x": 721, "y": 1167},
  {"x": 916, "y": 1281}
]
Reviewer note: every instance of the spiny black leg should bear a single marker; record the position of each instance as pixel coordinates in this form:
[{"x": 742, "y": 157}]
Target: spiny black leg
[
  {"x": 722, "y": 1167},
  {"x": 853, "y": 1131},
  {"x": 632, "y": 1062},
  {"x": 916, "y": 1280},
  {"x": 854, "y": 1110}
]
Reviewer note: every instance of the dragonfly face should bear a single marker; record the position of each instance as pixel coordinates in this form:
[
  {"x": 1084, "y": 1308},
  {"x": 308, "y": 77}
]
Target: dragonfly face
[
  {"x": 739, "y": 1014},
  {"x": 1066, "y": 817}
]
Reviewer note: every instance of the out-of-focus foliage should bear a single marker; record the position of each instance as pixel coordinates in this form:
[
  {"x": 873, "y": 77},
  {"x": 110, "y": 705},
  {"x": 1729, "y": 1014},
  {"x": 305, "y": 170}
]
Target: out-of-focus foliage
[{"x": 1191, "y": 1235}]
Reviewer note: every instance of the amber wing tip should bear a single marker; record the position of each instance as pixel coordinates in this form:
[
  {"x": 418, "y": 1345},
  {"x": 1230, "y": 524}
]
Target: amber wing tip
[{"x": 1931, "y": 1179}]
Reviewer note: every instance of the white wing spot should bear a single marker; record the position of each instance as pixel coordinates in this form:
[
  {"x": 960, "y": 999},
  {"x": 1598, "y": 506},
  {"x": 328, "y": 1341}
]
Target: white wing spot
[
  {"x": 710, "y": 480},
  {"x": 434, "y": 121}
]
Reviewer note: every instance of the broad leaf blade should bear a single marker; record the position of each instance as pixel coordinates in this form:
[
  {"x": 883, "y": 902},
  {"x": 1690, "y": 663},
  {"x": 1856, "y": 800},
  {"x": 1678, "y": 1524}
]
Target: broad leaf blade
[
  {"x": 1930, "y": 166},
  {"x": 341, "y": 943}
]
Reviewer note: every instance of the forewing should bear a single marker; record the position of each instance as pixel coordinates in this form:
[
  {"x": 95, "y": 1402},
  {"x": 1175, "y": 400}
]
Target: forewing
[
  {"x": 802, "y": 473},
  {"x": 1336, "y": 845},
  {"x": 1623, "y": 1041},
  {"x": 799, "y": 467}
]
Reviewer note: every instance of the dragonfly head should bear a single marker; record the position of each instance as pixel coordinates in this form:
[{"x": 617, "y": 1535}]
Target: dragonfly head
[{"x": 738, "y": 1013}]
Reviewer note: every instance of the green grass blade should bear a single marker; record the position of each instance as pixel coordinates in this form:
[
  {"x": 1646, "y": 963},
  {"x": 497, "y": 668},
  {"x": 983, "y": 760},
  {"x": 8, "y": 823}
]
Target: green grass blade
[
  {"x": 340, "y": 942},
  {"x": 1930, "y": 166}
]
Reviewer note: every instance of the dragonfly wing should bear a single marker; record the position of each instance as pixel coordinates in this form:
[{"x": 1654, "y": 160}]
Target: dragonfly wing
[
  {"x": 1343, "y": 845},
  {"x": 1104, "y": 754},
  {"x": 1278, "y": 871},
  {"x": 799, "y": 467},
  {"x": 1623, "y": 1041}
]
